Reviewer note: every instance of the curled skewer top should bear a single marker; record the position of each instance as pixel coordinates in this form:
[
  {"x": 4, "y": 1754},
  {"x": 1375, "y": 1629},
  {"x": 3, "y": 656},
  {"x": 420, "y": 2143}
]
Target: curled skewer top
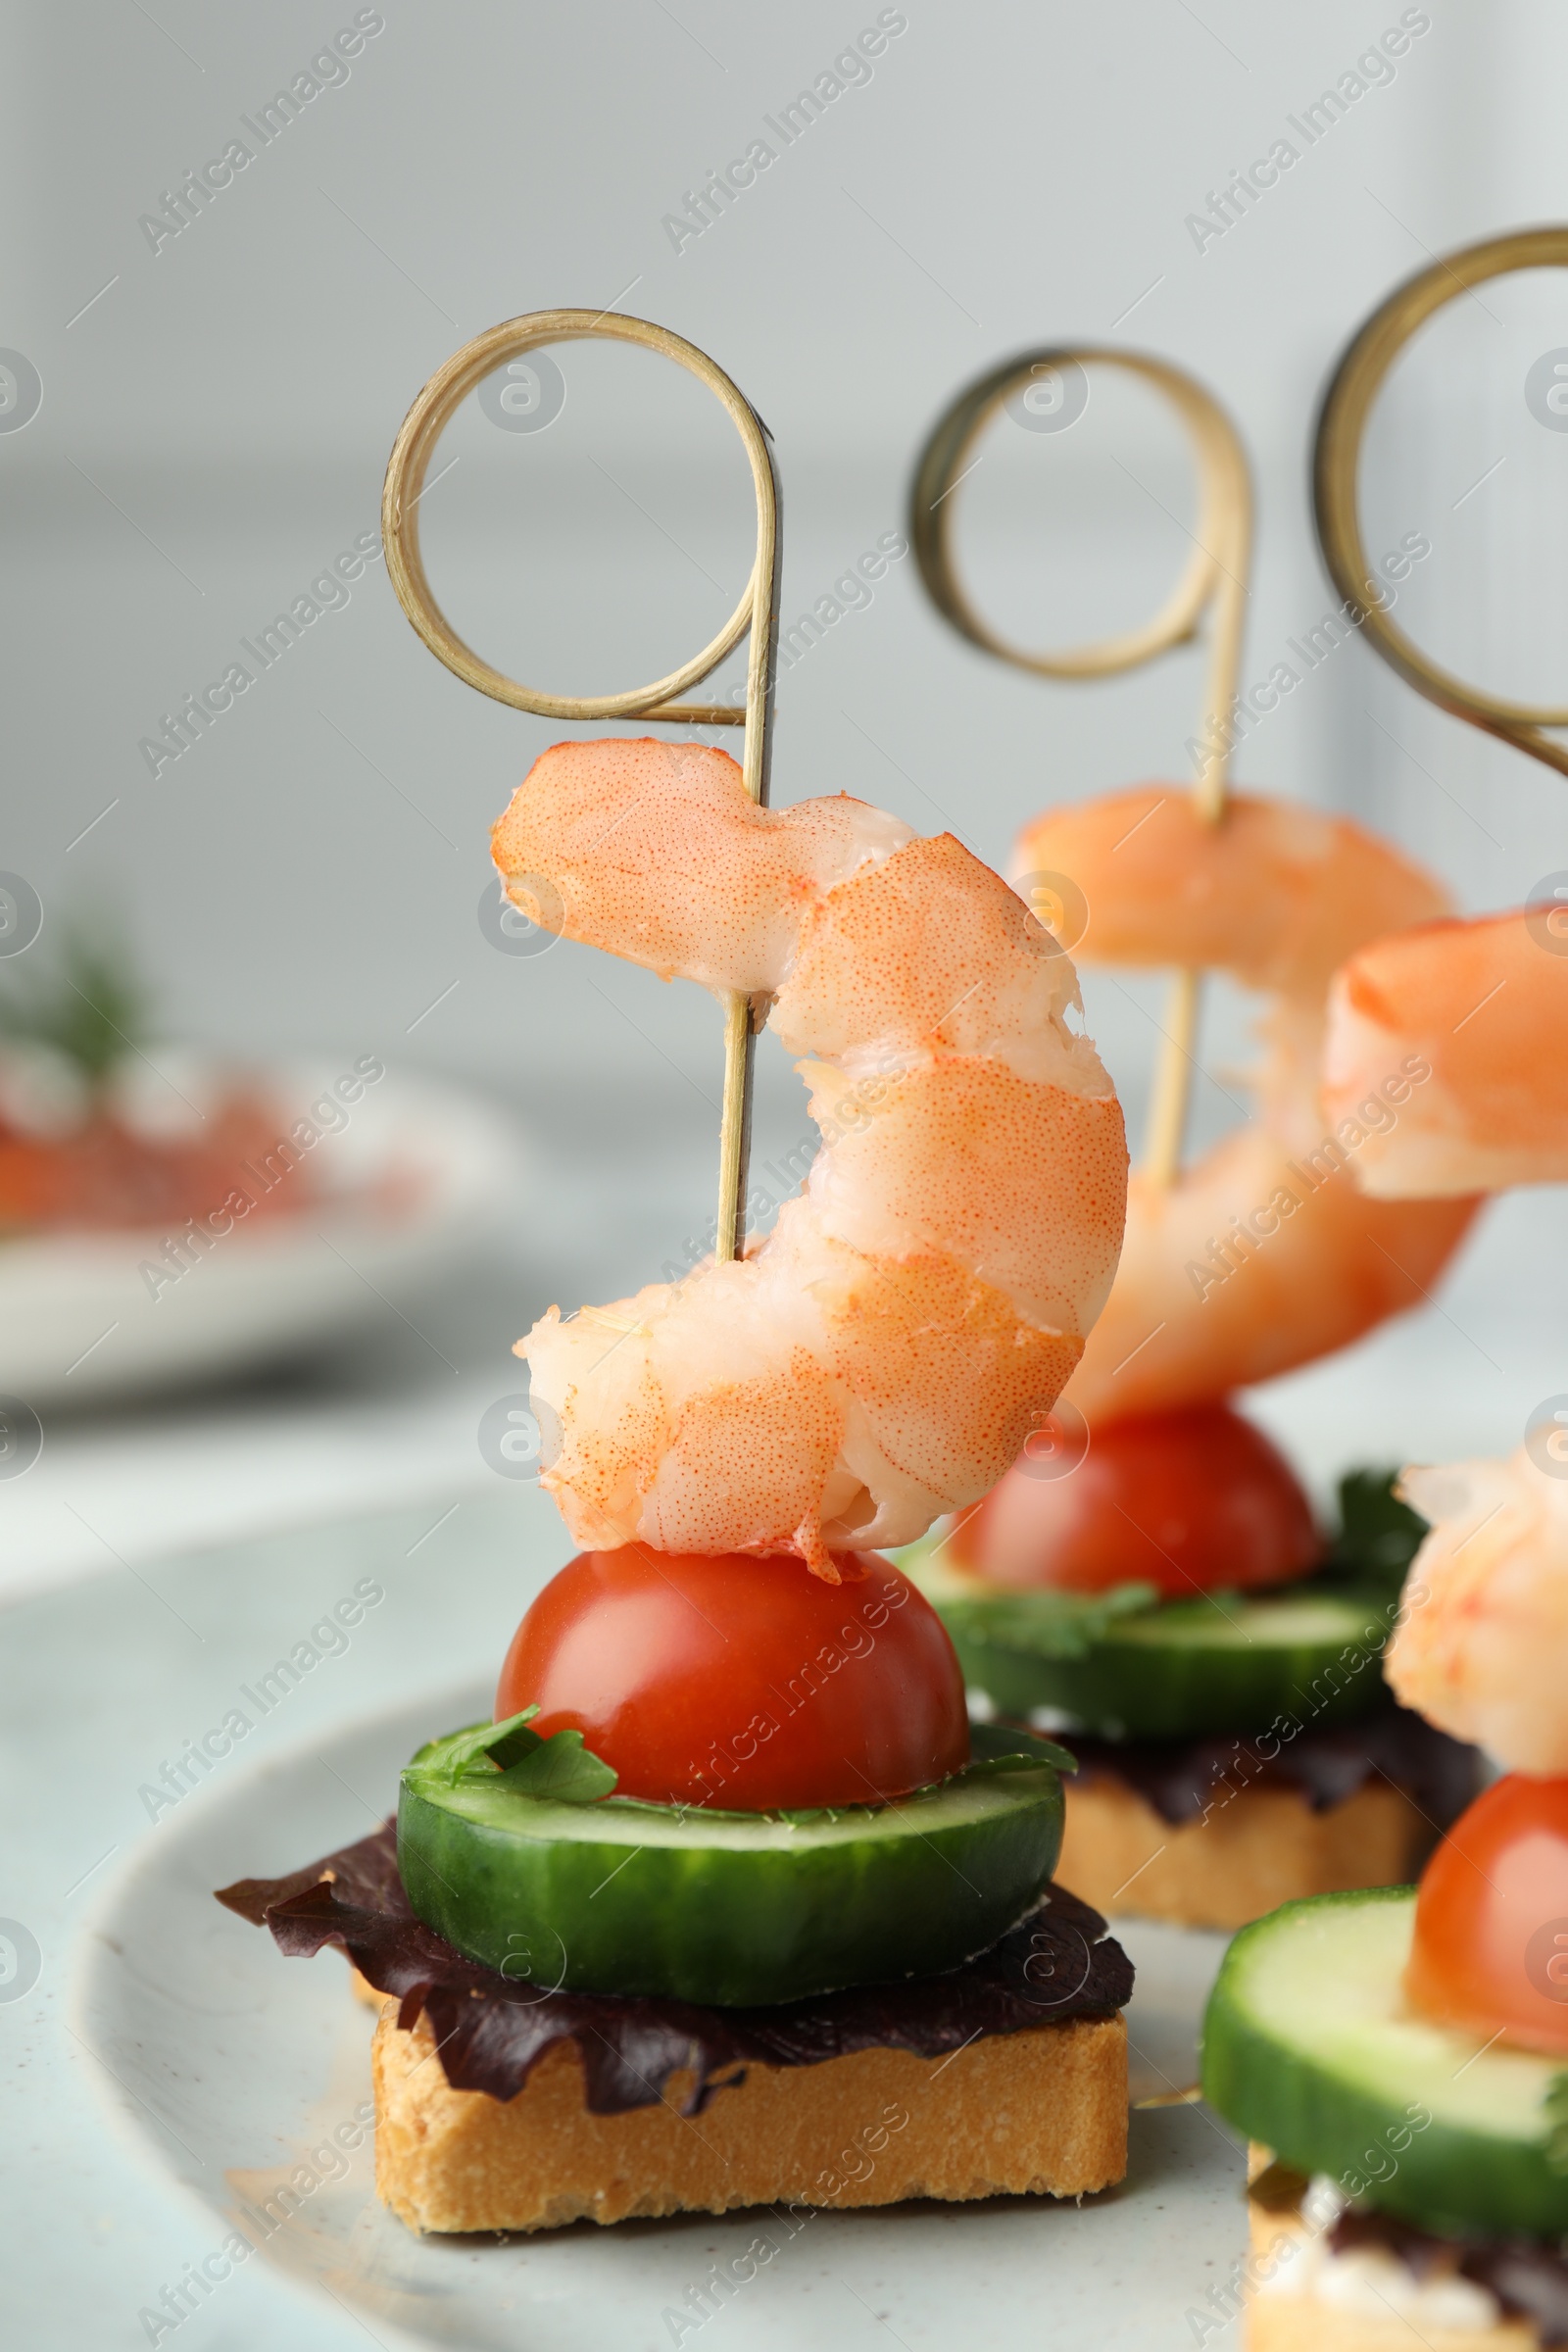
[
  {"x": 1336, "y": 466},
  {"x": 757, "y": 611},
  {"x": 417, "y": 436},
  {"x": 1213, "y": 582}
]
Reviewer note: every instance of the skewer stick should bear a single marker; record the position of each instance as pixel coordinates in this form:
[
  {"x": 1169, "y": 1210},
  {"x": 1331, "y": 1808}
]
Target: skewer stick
[
  {"x": 1336, "y": 463},
  {"x": 1213, "y": 583},
  {"x": 757, "y": 613}
]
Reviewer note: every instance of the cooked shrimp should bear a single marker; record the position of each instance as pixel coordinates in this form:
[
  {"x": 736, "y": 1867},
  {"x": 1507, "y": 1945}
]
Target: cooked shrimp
[
  {"x": 881, "y": 1356},
  {"x": 1480, "y": 1648},
  {"x": 1482, "y": 1643},
  {"x": 1483, "y": 1006},
  {"x": 1263, "y": 1255}
]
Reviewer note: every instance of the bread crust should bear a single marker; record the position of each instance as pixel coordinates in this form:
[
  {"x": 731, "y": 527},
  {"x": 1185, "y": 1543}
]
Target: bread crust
[
  {"x": 1043, "y": 2110},
  {"x": 1261, "y": 1849}
]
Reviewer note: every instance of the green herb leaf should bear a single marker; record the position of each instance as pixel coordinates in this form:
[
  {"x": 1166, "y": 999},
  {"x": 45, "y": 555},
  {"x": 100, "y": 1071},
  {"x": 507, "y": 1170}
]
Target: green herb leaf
[
  {"x": 1378, "y": 1535},
  {"x": 561, "y": 1768},
  {"x": 94, "y": 1011},
  {"x": 515, "y": 1741},
  {"x": 505, "y": 1742},
  {"x": 1047, "y": 1624},
  {"x": 509, "y": 1753}
]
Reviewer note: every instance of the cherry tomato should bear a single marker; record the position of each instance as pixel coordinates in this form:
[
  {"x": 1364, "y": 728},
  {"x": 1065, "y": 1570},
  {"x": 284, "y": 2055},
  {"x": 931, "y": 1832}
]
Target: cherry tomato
[
  {"x": 1182, "y": 1500},
  {"x": 743, "y": 1683},
  {"x": 1491, "y": 1943}
]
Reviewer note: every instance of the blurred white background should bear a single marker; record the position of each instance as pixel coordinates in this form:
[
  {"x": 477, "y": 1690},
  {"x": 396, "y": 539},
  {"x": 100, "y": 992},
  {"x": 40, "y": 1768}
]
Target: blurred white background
[{"x": 306, "y": 878}]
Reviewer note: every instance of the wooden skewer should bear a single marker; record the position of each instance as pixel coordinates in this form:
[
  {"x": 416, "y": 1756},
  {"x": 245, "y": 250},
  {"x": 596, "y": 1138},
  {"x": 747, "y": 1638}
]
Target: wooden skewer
[
  {"x": 1213, "y": 583},
  {"x": 757, "y": 611},
  {"x": 1336, "y": 467}
]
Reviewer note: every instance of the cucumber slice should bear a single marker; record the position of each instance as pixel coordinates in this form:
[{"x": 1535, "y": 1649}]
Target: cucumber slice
[
  {"x": 1309, "y": 2046},
  {"x": 1130, "y": 1669},
  {"x": 732, "y": 1909}
]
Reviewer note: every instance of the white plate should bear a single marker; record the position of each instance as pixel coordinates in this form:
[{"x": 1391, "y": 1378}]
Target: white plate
[
  {"x": 243, "y": 2063},
  {"x": 231, "y": 2065},
  {"x": 162, "y": 2061},
  {"x": 80, "y": 1320}
]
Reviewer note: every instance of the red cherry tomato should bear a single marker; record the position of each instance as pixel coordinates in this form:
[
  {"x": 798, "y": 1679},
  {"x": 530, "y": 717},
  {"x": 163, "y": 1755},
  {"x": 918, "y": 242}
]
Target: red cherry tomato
[
  {"x": 741, "y": 1683},
  {"x": 1491, "y": 1943},
  {"x": 1182, "y": 1500}
]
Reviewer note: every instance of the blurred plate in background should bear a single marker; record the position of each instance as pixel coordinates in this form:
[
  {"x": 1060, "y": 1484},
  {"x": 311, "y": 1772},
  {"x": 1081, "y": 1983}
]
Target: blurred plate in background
[{"x": 411, "y": 1185}]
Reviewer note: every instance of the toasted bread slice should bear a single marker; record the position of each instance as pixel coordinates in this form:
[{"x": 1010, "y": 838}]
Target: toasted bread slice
[
  {"x": 1312, "y": 2325},
  {"x": 1043, "y": 2110},
  {"x": 1289, "y": 2311},
  {"x": 1263, "y": 1847}
]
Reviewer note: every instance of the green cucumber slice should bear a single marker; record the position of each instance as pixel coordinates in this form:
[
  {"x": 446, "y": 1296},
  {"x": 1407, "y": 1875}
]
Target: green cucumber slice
[
  {"x": 1125, "y": 1667},
  {"x": 732, "y": 1909},
  {"x": 1310, "y": 2046}
]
